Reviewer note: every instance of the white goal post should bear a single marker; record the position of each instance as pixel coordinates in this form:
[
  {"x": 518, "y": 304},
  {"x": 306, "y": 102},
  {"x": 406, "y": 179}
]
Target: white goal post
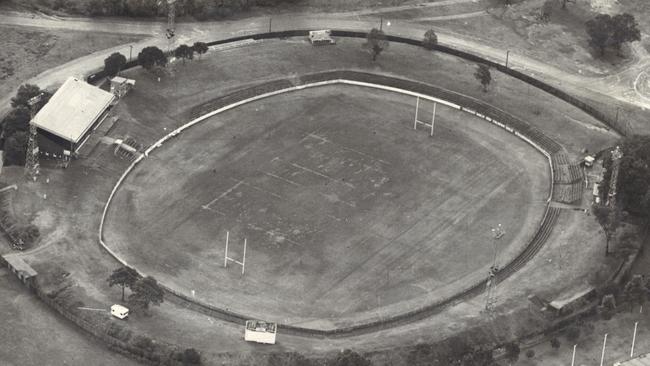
[
  {"x": 227, "y": 259},
  {"x": 433, "y": 117}
]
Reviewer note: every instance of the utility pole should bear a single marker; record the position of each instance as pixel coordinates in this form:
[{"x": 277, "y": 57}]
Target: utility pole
[
  {"x": 31, "y": 158},
  {"x": 491, "y": 283},
  {"x": 171, "y": 23},
  {"x": 507, "y": 56}
]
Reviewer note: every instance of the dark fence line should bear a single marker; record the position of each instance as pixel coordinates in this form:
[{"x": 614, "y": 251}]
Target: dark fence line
[{"x": 587, "y": 108}]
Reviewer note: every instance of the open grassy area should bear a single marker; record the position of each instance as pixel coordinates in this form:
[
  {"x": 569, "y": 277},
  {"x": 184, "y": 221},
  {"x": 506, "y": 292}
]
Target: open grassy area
[
  {"x": 27, "y": 52},
  {"x": 33, "y": 334},
  {"x": 345, "y": 207}
]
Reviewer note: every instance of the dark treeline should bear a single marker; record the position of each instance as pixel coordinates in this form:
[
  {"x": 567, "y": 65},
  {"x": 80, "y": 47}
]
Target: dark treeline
[{"x": 199, "y": 9}]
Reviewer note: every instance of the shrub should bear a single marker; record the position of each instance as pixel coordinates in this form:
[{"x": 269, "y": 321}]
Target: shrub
[{"x": 530, "y": 353}]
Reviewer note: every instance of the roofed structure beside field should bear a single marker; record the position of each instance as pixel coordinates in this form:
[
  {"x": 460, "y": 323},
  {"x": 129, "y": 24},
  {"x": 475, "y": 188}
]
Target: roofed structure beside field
[{"x": 71, "y": 113}]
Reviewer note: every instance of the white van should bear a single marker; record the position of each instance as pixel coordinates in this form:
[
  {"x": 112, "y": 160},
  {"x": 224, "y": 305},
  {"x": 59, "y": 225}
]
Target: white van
[{"x": 119, "y": 311}]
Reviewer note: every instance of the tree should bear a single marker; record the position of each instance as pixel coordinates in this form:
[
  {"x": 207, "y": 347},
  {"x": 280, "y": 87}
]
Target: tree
[
  {"x": 555, "y": 343},
  {"x": 288, "y": 359},
  {"x": 15, "y": 147},
  {"x": 152, "y": 56},
  {"x": 609, "y": 219},
  {"x": 141, "y": 8},
  {"x": 190, "y": 357},
  {"x": 200, "y": 48},
  {"x": 376, "y": 42},
  {"x": 430, "y": 39},
  {"x": 599, "y": 30},
  {"x": 605, "y": 31},
  {"x": 607, "y": 307},
  {"x": 483, "y": 75},
  {"x": 636, "y": 291},
  {"x": 146, "y": 291},
  {"x": 564, "y": 2},
  {"x": 16, "y": 120},
  {"x": 624, "y": 29},
  {"x": 546, "y": 11},
  {"x": 26, "y": 92},
  {"x": 349, "y": 358},
  {"x": 124, "y": 277},
  {"x": 185, "y": 52},
  {"x": 512, "y": 352},
  {"x": 114, "y": 63}
]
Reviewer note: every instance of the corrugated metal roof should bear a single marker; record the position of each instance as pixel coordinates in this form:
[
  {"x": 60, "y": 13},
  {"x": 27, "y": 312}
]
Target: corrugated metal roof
[
  {"x": 72, "y": 109},
  {"x": 20, "y": 265}
]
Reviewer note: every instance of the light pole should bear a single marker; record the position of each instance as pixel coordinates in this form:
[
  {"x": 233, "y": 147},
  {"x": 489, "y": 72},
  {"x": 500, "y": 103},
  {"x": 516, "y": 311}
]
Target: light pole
[
  {"x": 270, "y": 23},
  {"x": 130, "y": 52},
  {"x": 633, "y": 340},
  {"x": 573, "y": 358},
  {"x": 602, "y": 355},
  {"x": 507, "y": 56}
]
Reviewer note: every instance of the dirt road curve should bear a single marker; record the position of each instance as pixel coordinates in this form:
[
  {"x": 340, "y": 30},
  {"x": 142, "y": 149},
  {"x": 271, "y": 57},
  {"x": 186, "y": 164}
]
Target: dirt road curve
[{"x": 620, "y": 86}]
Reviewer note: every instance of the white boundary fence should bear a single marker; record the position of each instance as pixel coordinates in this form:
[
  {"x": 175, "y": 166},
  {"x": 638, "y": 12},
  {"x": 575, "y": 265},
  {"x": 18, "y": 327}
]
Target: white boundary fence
[{"x": 204, "y": 117}]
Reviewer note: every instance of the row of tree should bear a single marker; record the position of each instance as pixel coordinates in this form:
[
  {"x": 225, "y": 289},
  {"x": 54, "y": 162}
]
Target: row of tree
[
  {"x": 199, "y": 9},
  {"x": 145, "y": 291}
]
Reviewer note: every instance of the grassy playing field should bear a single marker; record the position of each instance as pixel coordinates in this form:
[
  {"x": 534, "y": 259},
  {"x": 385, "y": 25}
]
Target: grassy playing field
[{"x": 349, "y": 213}]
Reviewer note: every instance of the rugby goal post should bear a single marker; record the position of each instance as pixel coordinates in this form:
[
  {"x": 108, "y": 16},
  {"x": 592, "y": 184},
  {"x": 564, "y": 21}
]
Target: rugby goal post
[
  {"x": 227, "y": 259},
  {"x": 418, "y": 121}
]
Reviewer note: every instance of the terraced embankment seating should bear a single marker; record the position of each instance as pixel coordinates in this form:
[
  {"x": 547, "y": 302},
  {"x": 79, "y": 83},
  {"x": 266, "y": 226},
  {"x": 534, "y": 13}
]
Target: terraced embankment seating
[{"x": 568, "y": 179}]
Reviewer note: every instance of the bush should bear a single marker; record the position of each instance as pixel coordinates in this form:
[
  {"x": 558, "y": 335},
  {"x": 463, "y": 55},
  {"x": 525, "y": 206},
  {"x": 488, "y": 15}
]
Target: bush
[
  {"x": 430, "y": 39},
  {"x": 530, "y": 353}
]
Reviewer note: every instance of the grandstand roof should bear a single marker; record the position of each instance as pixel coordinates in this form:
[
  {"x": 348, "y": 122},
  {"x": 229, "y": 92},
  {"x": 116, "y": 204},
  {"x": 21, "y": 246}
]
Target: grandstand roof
[{"x": 73, "y": 109}]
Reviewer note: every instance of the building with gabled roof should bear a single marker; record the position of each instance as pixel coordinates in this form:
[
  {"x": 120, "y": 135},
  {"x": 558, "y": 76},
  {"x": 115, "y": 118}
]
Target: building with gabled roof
[{"x": 65, "y": 122}]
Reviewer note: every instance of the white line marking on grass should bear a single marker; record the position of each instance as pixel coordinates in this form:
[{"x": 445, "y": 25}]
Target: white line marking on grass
[
  {"x": 320, "y": 174},
  {"x": 224, "y": 194},
  {"x": 258, "y": 188},
  {"x": 283, "y": 179},
  {"x": 325, "y": 139}
]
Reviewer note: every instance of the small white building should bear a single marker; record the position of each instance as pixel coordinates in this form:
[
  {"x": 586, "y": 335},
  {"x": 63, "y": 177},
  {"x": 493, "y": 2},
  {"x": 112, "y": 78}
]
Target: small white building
[
  {"x": 119, "y": 311},
  {"x": 321, "y": 37},
  {"x": 120, "y": 86},
  {"x": 260, "y": 331}
]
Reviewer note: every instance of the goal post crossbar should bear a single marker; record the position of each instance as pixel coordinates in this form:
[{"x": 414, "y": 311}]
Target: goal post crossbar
[{"x": 426, "y": 124}]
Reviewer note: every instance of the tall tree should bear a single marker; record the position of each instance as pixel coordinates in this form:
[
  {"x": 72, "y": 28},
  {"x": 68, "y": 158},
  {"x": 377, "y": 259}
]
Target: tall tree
[
  {"x": 123, "y": 277},
  {"x": 599, "y": 30},
  {"x": 15, "y": 147},
  {"x": 184, "y": 52},
  {"x": 200, "y": 48},
  {"x": 636, "y": 291},
  {"x": 114, "y": 63},
  {"x": 16, "y": 120},
  {"x": 430, "y": 39},
  {"x": 609, "y": 218},
  {"x": 152, "y": 56},
  {"x": 483, "y": 75},
  {"x": 512, "y": 352},
  {"x": 28, "y": 91},
  {"x": 624, "y": 29},
  {"x": 376, "y": 42},
  {"x": 146, "y": 291}
]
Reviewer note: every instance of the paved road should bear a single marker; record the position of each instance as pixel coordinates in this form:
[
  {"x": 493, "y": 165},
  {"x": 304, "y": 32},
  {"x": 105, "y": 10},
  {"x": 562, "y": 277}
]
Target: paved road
[{"x": 619, "y": 86}]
